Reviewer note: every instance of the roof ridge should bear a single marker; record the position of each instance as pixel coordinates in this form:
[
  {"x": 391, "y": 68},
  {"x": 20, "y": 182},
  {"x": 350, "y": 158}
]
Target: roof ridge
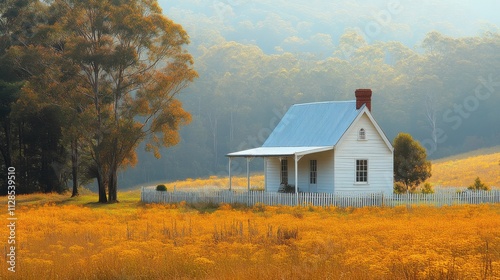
[{"x": 325, "y": 102}]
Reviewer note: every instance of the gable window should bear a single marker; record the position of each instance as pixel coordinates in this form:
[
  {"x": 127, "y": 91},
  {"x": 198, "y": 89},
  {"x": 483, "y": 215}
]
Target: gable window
[
  {"x": 362, "y": 134},
  {"x": 314, "y": 172},
  {"x": 284, "y": 171},
  {"x": 361, "y": 171}
]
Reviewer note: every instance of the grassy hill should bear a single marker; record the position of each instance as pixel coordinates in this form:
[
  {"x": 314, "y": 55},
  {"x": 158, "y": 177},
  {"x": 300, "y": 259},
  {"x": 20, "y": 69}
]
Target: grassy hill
[
  {"x": 454, "y": 171},
  {"x": 461, "y": 170}
]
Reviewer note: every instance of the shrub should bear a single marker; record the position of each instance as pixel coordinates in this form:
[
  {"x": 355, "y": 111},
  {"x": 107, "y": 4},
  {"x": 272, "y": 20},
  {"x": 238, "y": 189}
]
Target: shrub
[
  {"x": 399, "y": 188},
  {"x": 427, "y": 188},
  {"x": 286, "y": 188},
  {"x": 161, "y": 188},
  {"x": 478, "y": 186}
]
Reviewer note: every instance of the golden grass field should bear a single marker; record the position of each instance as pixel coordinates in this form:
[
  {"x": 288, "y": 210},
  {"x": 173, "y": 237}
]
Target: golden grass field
[
  {"x": 58, "y": 237},
  {"x": 461, "y": 170},
  {"x": 214, "y": 182},
  {"x": 74, "y": 238}
]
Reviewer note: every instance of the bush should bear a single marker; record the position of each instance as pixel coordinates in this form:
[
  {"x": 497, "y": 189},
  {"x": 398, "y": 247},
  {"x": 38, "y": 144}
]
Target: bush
[
  {"x": 161, "y": 188},
  {"x": 427, "y": 188},
  {"x": 478, "y": 186},
  {"x": 286, "y": 188},
  {"x": 399, "y": 188}
]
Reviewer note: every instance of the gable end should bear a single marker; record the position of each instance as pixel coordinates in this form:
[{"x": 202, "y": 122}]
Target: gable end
[{"x": 364, "y": 110}]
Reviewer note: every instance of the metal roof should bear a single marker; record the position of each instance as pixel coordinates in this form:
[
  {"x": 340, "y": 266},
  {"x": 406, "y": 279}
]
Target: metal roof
[
  {"x": 279, "y": 151},
  {"x": 313, "y": 124}
]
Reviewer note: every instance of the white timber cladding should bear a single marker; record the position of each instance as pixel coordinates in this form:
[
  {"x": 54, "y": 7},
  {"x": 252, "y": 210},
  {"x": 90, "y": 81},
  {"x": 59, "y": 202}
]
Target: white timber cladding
[
  {"x": 325, "y": 176},
  {"x": 374, "y": 149},
  {"x": 273, "y": 174}
]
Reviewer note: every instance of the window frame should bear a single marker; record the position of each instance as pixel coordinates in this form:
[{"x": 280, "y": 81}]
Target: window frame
[
  {"x": 359, "y": 173},
  {"x": 313, "y": 172},
  {"x": 362, "y": 134},
  {"x": 284, "y": 171}
]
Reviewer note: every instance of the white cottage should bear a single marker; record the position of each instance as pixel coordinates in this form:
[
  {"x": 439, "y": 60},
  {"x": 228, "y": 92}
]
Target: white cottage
[{"x": 327, "y": 147}]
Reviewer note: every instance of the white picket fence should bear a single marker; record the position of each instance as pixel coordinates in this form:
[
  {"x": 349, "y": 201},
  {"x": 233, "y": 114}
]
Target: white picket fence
[{"x": 440, "y": 198}]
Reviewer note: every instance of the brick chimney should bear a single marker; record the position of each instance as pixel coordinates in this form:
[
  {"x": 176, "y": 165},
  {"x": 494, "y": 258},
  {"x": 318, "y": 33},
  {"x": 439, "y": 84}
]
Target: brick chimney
[{"x": 364, "y": 96}]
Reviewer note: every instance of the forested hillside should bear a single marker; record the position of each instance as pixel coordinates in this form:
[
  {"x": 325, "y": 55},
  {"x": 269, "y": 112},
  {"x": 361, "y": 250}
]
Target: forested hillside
[{"x": 434, "y": 70}]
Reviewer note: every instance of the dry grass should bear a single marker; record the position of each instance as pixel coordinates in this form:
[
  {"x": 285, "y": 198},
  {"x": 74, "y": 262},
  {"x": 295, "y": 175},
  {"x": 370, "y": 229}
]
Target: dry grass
[
  {"x": 214, "y": 182},
  {"x": 460, "y": 171},
  {"x": 58, "y": 237},
  {"x": 76, "y": 239}
]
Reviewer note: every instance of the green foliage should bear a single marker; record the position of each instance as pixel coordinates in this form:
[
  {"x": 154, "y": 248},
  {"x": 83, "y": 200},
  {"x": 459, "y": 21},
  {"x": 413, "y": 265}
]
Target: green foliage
[
  {"x": 399, "y": 188},
  {"x": 161, "y": 188},
  {"x": 427, "y": 188},
  {"x": 411, "y": 166},
  {"x": 478, "y": 186}
]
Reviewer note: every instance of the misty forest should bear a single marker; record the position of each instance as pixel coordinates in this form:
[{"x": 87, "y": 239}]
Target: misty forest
[{"x": 434, "y": 69}]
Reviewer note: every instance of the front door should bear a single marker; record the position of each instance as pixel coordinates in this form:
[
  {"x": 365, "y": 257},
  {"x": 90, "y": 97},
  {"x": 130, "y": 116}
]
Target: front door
[{"x": 313, "y": 176}]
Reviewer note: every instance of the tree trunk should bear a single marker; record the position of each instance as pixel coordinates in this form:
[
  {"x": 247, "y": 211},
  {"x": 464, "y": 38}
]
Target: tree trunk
[
  {"x": 113, "y": 170},
  {"x": 112, "y": 185},
  {"x": 7, "y": 153},
  {"x": 101, "y": 185},
  {"x": 46, "y": 174},
  {"x": 74, "y": 166}
]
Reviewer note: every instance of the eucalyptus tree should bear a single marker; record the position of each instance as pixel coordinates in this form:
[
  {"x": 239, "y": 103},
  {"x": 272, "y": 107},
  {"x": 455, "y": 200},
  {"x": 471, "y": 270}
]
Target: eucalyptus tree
[
  {"x": 133, "y": 64},
  {"x": 117, "y": 67}
]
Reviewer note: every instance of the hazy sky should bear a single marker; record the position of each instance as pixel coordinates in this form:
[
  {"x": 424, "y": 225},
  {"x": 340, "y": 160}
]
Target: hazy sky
[{"x": 293, "y": 24}]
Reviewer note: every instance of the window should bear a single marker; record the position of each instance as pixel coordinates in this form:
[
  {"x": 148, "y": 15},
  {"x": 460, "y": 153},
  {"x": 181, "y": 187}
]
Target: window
[
  {"x": 362, "y": 134},
  {"x": 314, "y": 172},
  {"x": 361, "y": 171},
  {"x": 284, "y": 171}
]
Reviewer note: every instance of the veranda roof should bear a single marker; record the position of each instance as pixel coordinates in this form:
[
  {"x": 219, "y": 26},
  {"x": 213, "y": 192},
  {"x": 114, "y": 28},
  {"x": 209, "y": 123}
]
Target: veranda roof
[{"x": 280, "y": 151}]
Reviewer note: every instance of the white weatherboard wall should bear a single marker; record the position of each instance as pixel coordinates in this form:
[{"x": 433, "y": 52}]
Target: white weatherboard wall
[
  {"x": 273, "y": 174},
  {"x": 325, "y": 179},
  {"x": 324, "y": 172},
  {"x": 374, "y": 149}
]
